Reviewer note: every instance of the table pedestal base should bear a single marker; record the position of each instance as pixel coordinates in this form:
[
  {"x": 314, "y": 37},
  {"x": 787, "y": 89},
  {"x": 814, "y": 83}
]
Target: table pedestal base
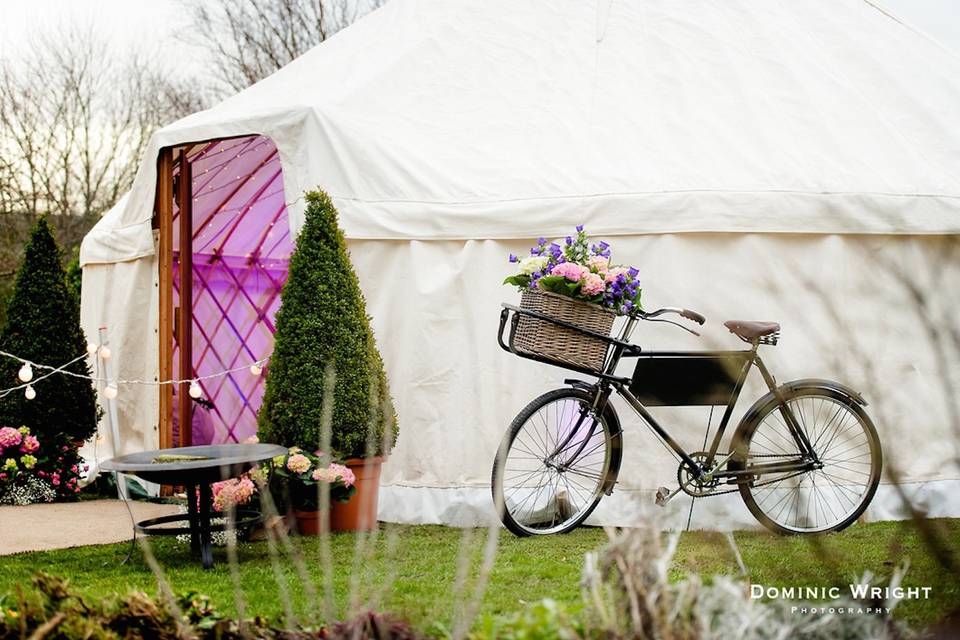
[{"x": 199, "y": 526}]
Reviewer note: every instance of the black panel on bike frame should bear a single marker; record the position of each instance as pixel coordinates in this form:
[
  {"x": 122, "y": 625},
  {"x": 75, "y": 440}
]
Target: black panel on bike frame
[{"x": 680, "y": 380}]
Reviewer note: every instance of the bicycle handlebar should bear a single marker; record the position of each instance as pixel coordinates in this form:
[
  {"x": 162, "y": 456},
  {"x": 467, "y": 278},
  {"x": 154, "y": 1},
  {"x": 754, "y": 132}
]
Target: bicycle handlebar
[{"x": 685, "y": 313}]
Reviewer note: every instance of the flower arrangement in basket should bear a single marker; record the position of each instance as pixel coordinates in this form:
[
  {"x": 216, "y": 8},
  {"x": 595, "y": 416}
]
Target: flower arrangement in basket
[{"x": 575, "y": 283}]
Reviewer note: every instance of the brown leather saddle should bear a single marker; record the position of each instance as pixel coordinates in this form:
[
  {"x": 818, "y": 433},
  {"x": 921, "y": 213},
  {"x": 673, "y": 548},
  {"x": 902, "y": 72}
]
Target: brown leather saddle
[{"x": 751, "y": 330}]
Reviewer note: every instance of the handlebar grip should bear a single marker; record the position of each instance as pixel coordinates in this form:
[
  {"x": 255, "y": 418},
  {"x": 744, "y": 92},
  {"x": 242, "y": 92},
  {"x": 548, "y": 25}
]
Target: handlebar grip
[{"x": 693, "y": 315}]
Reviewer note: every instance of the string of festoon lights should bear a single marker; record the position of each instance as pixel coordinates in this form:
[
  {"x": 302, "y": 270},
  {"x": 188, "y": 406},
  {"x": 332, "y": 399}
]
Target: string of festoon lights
[{"x": 111, "y": 390}]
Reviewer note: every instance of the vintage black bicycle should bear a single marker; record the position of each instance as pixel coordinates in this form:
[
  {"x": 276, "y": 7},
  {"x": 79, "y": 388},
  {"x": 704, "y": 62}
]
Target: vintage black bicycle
[{"x": 805, "y": 457}]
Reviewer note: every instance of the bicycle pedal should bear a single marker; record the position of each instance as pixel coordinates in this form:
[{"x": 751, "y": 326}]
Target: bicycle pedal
[{"x": 664, "y": 495}]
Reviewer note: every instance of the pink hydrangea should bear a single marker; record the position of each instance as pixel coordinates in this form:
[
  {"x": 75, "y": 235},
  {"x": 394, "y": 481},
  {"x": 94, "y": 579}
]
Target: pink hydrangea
[
  {"x": 599, "y": 264},
  {"x": 30, "y": 444},
  {"x": 233, "y": 492},
  {"x": 616, "y": 271},
  {"x": 344, "y": 473},
  {"x": 593, "y": 284},
  {"x": 569, "y": 270},
  {"x": 298, "y": 463},
  {"x": 9, "y": 437},
  {"x": 325, "y": 475}
]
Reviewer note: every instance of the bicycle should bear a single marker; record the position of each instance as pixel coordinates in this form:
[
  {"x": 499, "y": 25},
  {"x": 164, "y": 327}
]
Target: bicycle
[{"x": 562, "y": 452}]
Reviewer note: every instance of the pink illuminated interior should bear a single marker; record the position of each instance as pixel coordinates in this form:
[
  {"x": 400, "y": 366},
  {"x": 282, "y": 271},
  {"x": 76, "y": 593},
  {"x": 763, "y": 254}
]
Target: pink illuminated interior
[{"x": 241, "y": 250}]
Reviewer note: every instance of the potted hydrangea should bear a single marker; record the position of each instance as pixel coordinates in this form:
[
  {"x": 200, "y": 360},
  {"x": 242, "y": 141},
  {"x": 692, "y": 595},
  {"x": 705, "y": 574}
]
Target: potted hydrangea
[
  {"x": 308, "y": 476},
  {"x": 577, "y": 283}
]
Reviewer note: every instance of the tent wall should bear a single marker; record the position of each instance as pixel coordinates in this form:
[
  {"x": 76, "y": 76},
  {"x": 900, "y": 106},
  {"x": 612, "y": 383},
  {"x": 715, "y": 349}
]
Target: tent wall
[
  {"x": 848, "y": 312},
  {"x": 123, "y": 298},
  {"x": 847, "y": 305}
]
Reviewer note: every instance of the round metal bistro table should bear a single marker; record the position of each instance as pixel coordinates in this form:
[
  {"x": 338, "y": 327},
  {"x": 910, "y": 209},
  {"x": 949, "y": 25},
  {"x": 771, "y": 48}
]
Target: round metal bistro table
[{"x": 195, "y": 468}]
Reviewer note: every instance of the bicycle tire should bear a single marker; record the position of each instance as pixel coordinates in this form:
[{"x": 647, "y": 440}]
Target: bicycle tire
[
  {"x": 829, "y": 400},
  {"x": 612, "y": 439}
]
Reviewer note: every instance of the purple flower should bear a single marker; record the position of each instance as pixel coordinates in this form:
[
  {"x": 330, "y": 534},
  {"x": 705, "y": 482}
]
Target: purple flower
[
  {"x": 579, "y": 228},
  {"x": 569, "y": 240},
  {"x": 541, "y": 241},
  {"x": 633, "y": 272},
  {"x": 627, "y": 306},
  {"x": 535, "y": 251},
  {"x": 513, "y": 258},
  {"x": 603, "y": 245}
]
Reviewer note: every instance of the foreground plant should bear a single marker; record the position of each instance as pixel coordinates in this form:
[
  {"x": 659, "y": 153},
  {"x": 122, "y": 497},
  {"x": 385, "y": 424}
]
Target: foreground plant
[
  {"x": 627, "y": 596},
  {"x": 51, "y": 610}
]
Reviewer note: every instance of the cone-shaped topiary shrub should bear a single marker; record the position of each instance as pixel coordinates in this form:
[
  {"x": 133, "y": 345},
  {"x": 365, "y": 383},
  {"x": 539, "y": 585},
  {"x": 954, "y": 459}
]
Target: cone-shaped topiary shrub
[
  {"x": 43, "y": 326},
  {"x": 322, "y": 323}
]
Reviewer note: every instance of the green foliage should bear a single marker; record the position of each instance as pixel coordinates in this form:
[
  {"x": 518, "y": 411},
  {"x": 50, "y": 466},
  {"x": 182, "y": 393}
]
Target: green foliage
[
  {"x": 74, "y": 275},
  {"x": 52, "y": 609},
  {"x": 322, "y": 325},
  {"x": 43, "y": 326},
  {"x": 543, "y": 620}
]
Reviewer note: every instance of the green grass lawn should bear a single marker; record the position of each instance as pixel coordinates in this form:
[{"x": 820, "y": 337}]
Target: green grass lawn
[{"x": 413, "y": 570}]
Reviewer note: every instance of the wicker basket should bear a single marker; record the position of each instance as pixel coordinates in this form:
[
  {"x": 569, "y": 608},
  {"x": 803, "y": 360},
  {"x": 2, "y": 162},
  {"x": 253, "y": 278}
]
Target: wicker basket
[{"x": 541, "y": 338}]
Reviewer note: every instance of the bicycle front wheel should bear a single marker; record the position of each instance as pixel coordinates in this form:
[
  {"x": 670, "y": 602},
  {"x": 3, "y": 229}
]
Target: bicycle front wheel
[
  {"x": 555, "y": 462},
  {"x": 829, "y": 497}
]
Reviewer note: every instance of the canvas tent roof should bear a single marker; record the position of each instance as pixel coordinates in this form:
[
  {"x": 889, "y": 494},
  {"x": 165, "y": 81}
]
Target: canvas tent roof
[{"x": 497, "y": 119}]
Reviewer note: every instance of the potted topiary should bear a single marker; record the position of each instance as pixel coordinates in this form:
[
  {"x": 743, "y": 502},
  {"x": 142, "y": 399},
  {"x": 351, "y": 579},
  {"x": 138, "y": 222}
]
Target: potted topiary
[{"x": 326, "y": 387}]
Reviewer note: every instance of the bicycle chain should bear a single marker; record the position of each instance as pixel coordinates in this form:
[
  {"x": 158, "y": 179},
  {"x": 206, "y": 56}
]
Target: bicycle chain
[{"x": 756, "y": 484}]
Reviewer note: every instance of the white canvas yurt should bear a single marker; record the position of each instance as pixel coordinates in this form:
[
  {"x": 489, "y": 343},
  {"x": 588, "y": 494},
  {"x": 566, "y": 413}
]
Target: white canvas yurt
[{"x": 795, "y": 162}]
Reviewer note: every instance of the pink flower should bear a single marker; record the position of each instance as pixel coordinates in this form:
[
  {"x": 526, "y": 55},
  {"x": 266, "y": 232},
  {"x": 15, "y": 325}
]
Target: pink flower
[
  {"x": 9, "y": 437},
  {"x": 56, "y": 481},
  {"x": 593, "y": 284},
  {"x": 230, "y": 493},
  {"x": 3, "y": 476},
  {"x": 252, "y": 440},
  {"x": 344, "y": 473},
  {"x": 324, "y": 475},
  {"x": 600, "y": 264},
  {"x": 298, "y": 463},
  {"x": 616, "y": 271},
  {"x": 74, "y": 468},
  {"x": 569, "y": 270},
  {"x": 42, "y": 474},
  {"x": 30, "y": 444}
]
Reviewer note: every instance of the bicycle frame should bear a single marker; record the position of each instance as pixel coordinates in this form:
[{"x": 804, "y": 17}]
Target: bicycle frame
[{"x": 620, "y": 348}]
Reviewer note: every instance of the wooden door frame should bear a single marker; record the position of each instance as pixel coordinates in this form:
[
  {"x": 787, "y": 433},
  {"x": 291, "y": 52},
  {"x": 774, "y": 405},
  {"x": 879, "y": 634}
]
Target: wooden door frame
[{"x": 173, "y": 322}]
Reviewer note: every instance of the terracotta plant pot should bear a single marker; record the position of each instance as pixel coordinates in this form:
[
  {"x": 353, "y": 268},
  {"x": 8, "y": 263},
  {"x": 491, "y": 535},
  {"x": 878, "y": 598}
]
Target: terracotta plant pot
[
  {"x": 360, "y": 513},
  {"x": 309, "y": 522}
]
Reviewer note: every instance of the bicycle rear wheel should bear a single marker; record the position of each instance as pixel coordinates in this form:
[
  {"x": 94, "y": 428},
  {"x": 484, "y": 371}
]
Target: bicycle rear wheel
[
  {"x": 554, "y": 464},
  {"x": 829, "y": 498}
]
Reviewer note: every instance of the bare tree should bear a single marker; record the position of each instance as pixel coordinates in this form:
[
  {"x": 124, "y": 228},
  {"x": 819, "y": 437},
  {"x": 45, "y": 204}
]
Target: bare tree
[
  {"x": 75, "y": 118},
  {"x": 250, "y": 39}
]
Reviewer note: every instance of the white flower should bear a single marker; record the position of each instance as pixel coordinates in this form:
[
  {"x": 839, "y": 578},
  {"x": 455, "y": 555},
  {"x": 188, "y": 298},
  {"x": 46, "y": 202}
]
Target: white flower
[{"x": 532, "y": 264}]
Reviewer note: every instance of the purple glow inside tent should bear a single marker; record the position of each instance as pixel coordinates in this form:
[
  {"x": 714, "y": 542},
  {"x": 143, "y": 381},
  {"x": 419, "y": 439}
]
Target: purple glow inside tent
[{"x": 241, "y": 248}]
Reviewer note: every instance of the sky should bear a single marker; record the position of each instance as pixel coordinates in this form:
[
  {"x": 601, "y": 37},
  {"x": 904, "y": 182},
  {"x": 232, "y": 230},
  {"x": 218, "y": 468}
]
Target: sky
[{"x": 153, "y": 24}]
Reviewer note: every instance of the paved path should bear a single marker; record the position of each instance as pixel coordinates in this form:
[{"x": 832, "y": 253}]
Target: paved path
[{"x": 38, "y": 527}]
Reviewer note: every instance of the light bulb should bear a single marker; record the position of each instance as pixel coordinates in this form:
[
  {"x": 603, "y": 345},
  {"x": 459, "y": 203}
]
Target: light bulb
[
  {"x": 256, "y": 369},
  {"x": 91, "y": 348},
  {"x": 26, "y": 373},
  {"x": 110, "y": 392},
  {"x": 30, "y": 393},
  {"x": 195, "y": 390},
  {"x": 105, "y": 353}
]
